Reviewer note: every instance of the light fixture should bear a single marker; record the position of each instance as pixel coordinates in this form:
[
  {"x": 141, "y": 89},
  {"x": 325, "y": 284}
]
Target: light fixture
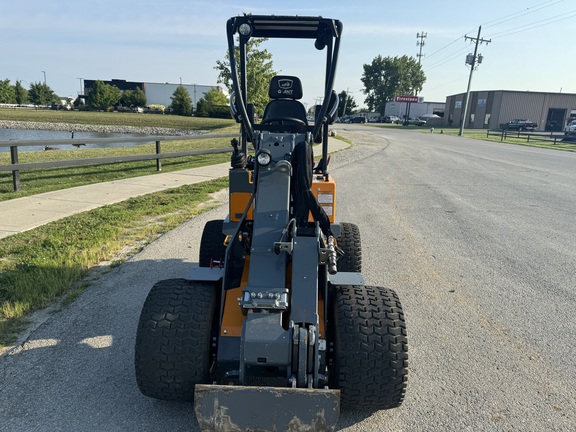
[
  {"x": 263, "y": 157},
  {"x": 284, "y": 167},
  {"x": 245, "y": 29}
]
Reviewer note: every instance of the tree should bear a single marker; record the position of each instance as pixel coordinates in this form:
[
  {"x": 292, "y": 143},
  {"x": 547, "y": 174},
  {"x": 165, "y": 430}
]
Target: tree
[
  {"x": 387, "y": 77},
  {"x": 259, "y": 72},
  {"x": 213, "y": 104},
  {"x": 21, "y": 93},
  {"x": 136, "y": 98},
  {"x": 346, "y": 104},
  {"x": 181, "y": 101},
  {"x": 7, "y": 94},
  {"x": 103, "y": 96},
  {"x": 41, "y": 94}
]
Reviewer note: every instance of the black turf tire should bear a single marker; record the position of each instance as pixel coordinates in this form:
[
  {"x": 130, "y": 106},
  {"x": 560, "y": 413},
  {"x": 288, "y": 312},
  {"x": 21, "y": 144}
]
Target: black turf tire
[
  {"x": 173, "y": 339},
  {"x": 370, "y": 363},
  {"x": 212, "y": 243},
  {"x": 349, "y": 242}
]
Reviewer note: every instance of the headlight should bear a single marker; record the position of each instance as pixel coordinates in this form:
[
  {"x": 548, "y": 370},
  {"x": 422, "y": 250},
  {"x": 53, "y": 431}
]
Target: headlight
[
  {"x": 245, "y": 29},
  {"x": 264, "y": 157}
]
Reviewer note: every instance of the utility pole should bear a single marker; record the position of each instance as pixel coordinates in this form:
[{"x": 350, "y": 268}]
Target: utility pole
[
  {"x": 420, "y": 43},
  {"x": 473, "y": 61},
  {"x": 345, "y": 102}
]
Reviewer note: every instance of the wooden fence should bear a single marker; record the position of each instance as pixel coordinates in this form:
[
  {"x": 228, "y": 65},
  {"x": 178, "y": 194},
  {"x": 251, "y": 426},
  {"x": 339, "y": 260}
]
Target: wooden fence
[{"x": 16, "y": 167}]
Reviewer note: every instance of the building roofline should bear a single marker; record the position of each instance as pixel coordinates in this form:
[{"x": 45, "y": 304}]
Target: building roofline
[{"x": 514, "y": 91}]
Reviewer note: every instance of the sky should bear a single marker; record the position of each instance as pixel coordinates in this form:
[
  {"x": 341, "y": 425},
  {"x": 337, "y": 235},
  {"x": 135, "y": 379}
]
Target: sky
[{"x": 66, "y": 41}]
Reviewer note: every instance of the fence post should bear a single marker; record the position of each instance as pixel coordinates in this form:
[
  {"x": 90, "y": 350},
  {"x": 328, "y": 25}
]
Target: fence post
[
  {"x": 15, "y": 173},
  {"x": 158, "y": 161}
]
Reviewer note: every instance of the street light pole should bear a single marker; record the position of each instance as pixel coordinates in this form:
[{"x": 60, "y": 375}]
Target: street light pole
[{"x": 44, "y": 72}]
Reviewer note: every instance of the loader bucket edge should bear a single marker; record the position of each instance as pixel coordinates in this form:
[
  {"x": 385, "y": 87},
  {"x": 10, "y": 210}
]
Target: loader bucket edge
[{"x": 222, "y": 408}]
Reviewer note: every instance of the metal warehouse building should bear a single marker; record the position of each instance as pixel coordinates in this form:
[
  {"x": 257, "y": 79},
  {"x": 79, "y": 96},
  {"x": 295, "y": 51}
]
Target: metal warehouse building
[
  {"x": 156, "y": 93},
  {"x": 490, "y": 109}
]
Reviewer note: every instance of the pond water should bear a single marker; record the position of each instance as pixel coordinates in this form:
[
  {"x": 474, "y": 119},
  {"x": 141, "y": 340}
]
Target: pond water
[{"x": 27, "y": 134}]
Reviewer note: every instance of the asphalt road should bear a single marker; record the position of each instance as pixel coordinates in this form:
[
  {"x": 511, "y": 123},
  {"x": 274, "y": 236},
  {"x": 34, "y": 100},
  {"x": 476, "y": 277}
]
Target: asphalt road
[{"x": 478, "y": 239}]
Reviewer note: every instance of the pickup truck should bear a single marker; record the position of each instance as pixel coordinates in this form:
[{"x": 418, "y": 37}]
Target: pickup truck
[{"x": 520, "y": 125}]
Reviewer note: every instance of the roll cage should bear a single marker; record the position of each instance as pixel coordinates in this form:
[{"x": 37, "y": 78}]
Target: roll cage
[{"x": 326, "y": 34}]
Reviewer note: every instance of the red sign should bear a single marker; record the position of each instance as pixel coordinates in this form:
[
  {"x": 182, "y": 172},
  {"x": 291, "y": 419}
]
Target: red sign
[{"x": 411, "y": 99}]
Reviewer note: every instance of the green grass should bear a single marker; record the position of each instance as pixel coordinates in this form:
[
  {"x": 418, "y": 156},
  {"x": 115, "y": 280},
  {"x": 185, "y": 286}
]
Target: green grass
[
  {"x": 50, "y": 262},
  {"x": 481, "y": 134}
]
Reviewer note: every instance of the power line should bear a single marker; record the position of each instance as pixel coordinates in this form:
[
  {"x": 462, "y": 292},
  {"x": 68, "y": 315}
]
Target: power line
[
  {"x": 446, "y": 46},
  {"x": 447, "y": 59},
  {"x": 492, "y": 23},
  {"x": 510, "y": 31},
  {"x": 521, "y": 13},
  {"x": 536, "y": 24}
]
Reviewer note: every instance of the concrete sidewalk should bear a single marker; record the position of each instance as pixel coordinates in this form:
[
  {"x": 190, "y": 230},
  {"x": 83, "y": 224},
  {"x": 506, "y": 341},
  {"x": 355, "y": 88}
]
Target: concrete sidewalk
[{"x": 23, "y": 214}]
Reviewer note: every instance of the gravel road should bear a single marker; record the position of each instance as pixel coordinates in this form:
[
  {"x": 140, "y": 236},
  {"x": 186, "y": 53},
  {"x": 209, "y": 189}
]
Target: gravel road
[{"x": 477, "y": 238}]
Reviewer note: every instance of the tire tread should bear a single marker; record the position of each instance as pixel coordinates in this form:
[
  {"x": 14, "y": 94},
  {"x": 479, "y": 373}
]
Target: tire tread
[{"x": 371, "y": 350}]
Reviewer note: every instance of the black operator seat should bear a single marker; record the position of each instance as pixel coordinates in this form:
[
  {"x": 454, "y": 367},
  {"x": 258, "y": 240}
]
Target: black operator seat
[{"x": 285, "y": 91}]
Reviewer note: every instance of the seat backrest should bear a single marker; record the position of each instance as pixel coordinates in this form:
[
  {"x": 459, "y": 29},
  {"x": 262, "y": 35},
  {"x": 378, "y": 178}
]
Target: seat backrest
[
  {"x": 285, "y": 91},
  {"x": 285, "y": 87}
]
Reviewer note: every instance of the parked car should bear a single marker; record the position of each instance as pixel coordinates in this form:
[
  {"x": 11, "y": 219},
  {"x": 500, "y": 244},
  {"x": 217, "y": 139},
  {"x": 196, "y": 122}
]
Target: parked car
[
  {"x": 392, "y": 119},
  {"x": 570, "y": 127},
  {"x": 415, "y": 121},
  {"x": 345, "y": 119},
  {"x": 358, "y": 119},
  {"x": 520, "y": 125}
]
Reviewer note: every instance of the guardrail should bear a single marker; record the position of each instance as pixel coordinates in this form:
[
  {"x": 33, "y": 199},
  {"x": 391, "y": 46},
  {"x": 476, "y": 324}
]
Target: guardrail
[
  {"x": 16, "y": 167},
  {"x": 552, "y": 137}
]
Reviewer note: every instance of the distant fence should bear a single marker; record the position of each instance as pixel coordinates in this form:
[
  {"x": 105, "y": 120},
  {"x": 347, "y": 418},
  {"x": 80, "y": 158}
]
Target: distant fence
[
  {"x": 16, "y": 167},
  {"x": 552, "y": 137}
]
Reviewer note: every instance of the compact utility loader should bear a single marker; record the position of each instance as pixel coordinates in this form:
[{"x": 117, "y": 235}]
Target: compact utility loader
[{"x": 276, "y": 328}]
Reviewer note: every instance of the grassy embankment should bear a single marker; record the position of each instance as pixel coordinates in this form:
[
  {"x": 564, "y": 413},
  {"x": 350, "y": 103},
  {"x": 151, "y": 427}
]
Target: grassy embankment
[{"x": 52, "y": 262}]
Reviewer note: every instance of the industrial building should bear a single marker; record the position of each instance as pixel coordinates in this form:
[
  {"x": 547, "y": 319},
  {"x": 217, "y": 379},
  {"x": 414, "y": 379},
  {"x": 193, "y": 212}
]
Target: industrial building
[
  {"x": 156, "y": 93},
  {"x": 490, "y": 109}
]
